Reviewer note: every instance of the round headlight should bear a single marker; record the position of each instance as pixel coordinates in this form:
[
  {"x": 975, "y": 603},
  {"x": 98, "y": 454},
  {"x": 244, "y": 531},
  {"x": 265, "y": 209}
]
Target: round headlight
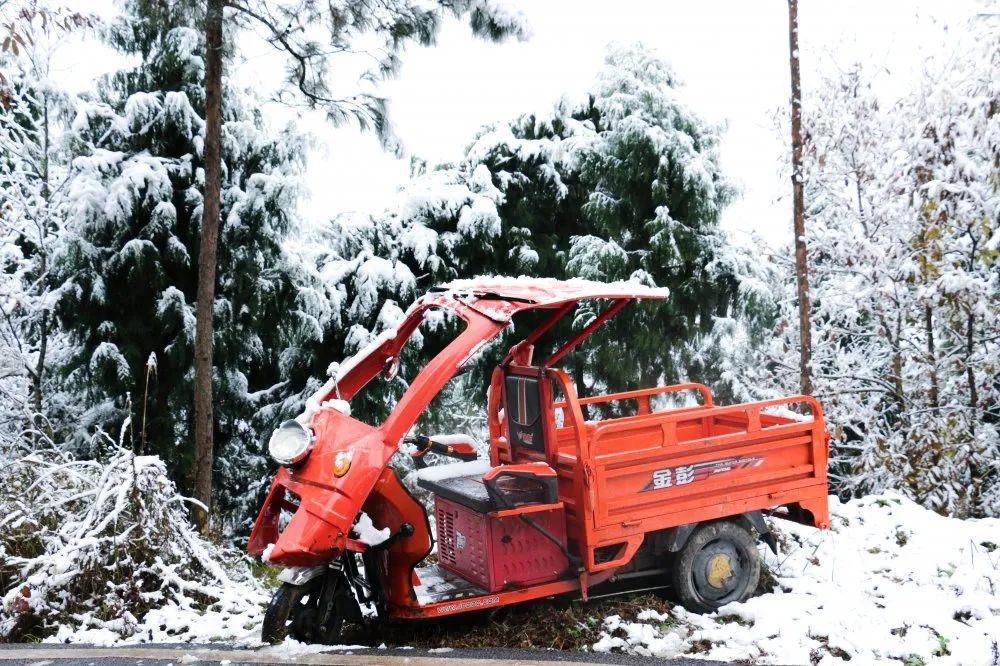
[{"x": 290, "y": 443}]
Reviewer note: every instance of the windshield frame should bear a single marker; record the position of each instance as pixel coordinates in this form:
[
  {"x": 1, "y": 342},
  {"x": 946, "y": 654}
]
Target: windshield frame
[{"x": 357, "y": 371}]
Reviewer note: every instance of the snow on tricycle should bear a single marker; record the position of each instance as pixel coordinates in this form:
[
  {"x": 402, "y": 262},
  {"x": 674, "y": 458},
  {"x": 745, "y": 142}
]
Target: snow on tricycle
[{"x": 563, "y": 506}]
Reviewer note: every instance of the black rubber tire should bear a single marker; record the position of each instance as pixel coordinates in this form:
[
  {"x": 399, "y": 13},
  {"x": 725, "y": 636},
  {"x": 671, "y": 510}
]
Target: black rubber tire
[
  {"x": 278, "y": 617},
  {"x": 294, "y": 611},
  {"x": 698, "y": 586}
]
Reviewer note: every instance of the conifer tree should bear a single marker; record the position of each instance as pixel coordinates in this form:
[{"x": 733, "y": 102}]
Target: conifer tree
[
  {"x": 127, "y": 273},
  {"x": 312, "y": 36},
  {"x": 622, "y": 185}
]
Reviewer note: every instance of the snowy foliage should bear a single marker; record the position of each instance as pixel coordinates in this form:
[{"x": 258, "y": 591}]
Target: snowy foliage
[
  {"x": 903, "y": 207},
  {"x": 364, "y": 289},
  {"x": 623, "y": 184},
  {"x": 365, "y": 40},
  {"x": 103, "y": 549},
  {"x": 101, "y": 219},
  {"x": 34, "y": 111},
  {"x": 126, "y": 270}
]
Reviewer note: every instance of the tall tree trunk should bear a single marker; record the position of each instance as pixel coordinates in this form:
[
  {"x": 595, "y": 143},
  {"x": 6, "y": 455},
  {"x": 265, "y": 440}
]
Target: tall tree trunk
[
  {"x": 43, "y": 229},
  {"x": 204, "y": 328},
  {"x": 934, "y": 392},
  {"x": 798, "y": 202}
]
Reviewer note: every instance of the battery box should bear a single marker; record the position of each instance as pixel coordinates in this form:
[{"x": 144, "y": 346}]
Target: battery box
[
  {"x": 499, "y": 553},
  {"x": 502, "y": 533}
]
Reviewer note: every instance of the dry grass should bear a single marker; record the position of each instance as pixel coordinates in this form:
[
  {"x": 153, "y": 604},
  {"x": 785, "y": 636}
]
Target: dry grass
[
  {"x": 559, "y": 624},
  {"x": 551, "y": 624}
]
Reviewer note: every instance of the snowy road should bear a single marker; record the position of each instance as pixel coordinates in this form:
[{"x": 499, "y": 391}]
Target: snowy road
[{"x": 43, "y": 654}]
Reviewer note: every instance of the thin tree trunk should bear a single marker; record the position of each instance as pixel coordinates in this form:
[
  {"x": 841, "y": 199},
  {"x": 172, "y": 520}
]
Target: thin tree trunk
[
  {"x": 932, "y": 356},
  {"x": 975, "y": 475},
  {"x": 43, "y": 229},
  {"x": 204, "y": 331},
  {"x": 798, "y": 202},
  {"x": 36, "y": 378},
  {"x": 897, "y": 366},
  {"x": 970, "y": 374},
  {"x": 970, "y": 342}
]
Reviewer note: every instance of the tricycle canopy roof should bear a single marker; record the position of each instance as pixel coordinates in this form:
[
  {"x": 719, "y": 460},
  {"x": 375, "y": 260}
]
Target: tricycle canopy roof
[
  {"x": 530, "y": 292},
  {"x": 487, "y": 304}
]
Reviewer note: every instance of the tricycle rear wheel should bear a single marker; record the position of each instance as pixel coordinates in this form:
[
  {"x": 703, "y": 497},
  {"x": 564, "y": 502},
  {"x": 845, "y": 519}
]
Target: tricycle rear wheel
[{"x": 718, "y": 565}]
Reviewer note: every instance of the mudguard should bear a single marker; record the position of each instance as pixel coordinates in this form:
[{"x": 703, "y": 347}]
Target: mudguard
[{"x": 676, "y": 537}]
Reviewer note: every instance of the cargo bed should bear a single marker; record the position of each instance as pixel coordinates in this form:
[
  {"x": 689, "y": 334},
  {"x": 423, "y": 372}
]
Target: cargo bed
[{"x": 655, "y": 470}]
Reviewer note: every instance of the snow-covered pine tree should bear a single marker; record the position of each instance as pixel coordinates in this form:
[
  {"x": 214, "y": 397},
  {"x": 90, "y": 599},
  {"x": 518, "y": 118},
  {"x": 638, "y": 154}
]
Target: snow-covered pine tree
[
  {"x": 127, "y": 279},
  {"x": 621, "y": 184},
  {"x": 366, "y": 288},
  {"x": 315, "y": 38},
  {"x": 654, "y": 194}
]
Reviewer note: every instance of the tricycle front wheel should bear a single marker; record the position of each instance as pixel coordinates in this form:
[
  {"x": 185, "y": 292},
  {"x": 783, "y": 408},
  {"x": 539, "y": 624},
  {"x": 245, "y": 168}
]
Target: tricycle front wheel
[
  {"x": 718, "y": 565},
  {"x": 278, "y": 617},
  {"x": 311, "y": 613}
]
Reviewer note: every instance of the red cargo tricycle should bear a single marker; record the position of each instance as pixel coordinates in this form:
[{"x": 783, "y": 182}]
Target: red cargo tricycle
[{"x": 565, "y": 504}]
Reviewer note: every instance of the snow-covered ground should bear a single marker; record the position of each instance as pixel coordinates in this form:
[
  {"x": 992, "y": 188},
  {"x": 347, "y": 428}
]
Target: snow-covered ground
[
  {"x": 890, "y": 582},
  {"x": 236, "y": 620}
]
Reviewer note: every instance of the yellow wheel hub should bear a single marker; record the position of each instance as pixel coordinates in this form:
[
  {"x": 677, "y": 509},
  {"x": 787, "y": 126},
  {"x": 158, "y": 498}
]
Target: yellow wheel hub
[{"x": 720, "y": 570}]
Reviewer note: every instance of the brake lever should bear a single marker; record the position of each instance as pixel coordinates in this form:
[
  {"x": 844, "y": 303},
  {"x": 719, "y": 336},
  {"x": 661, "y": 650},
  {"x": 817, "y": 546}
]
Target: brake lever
[{"x": 422, "y": 444}]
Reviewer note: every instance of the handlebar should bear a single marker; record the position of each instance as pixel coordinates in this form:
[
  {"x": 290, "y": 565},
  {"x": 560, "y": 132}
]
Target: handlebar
[{"x": 464, "y": 451}]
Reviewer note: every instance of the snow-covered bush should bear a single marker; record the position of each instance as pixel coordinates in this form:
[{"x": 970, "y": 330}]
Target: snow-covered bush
[{"x": 105, "y": 547}]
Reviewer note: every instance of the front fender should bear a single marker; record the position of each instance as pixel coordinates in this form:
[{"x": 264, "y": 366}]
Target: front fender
[
  {"x": 308, "y": 540},
  {"x": 324, "y": 506},
  {"x": 301, "y": 575}
]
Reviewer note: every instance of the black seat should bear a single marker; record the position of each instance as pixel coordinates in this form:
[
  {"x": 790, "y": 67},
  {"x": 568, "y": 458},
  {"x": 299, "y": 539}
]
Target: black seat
[
  {"x": 510, "y": 490},
  {"x": 469, "y": 491}
]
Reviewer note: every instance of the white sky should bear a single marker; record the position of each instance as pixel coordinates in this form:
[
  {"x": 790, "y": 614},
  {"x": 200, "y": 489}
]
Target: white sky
[{"x": 732, "y": 56}]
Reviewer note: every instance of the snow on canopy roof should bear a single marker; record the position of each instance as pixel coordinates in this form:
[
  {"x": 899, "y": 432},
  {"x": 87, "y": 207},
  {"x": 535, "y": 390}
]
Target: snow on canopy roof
[{"x": 549, "y": 291}]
